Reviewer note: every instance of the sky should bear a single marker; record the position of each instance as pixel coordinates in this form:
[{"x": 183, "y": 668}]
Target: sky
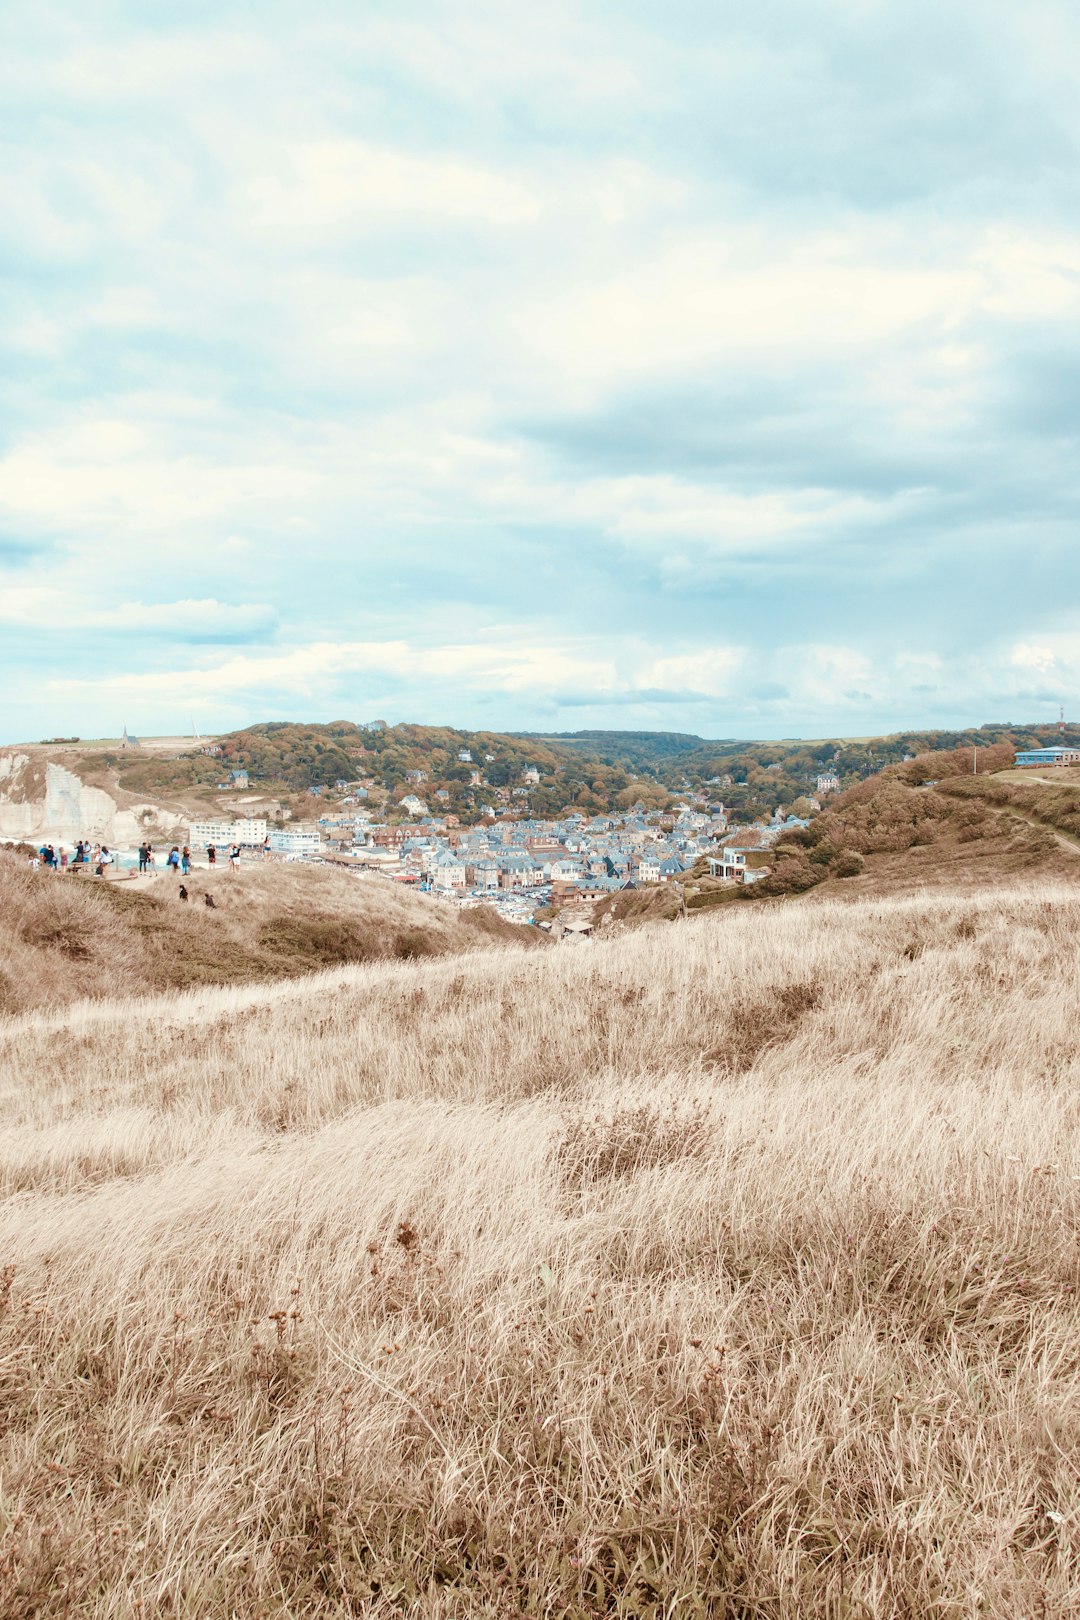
[{"x": 677, "y": 365}]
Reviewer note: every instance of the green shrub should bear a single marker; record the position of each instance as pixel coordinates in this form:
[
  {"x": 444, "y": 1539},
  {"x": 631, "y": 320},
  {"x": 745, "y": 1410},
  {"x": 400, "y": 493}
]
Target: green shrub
[
  {"x": 824, "y": 853},
  {"x": 787, "y": 877},
  {"x": 319, "y": 941}
]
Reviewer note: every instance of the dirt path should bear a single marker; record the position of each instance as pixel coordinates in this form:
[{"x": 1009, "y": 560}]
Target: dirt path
[{"x": 1065, "y": 840}]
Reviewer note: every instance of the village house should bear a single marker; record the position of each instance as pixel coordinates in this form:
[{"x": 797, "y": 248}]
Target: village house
[
  {"x": 743, "y": 858},
  {"x": 448, "y": 872}
]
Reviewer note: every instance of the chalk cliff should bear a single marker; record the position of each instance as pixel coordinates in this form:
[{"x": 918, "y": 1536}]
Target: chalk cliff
[{"x": 49, "y": 802}]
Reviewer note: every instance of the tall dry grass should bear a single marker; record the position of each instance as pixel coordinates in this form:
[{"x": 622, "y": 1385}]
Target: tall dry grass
[
  {"x": 65, "y": 937},
  {"x": 725, "y": 1268}
]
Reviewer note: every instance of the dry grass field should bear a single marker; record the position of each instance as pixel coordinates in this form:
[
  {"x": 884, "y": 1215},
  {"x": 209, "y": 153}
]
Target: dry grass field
[
  {"x": 724, "y": 1268},
  {"x": 64, "y": 938}
]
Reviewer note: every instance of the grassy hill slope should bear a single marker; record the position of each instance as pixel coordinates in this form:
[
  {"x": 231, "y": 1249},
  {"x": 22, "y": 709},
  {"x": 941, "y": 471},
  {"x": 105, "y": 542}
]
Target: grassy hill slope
[
  {"x": 889, "y": 836},
  {"x": 63, "y": 938},
  {"x": 728, "y": 1268}
]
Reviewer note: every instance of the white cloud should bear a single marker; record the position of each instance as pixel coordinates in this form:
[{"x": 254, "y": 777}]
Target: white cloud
[
  {"x": 1042, "y": 659},
  {"x": 646, "y": 509},
  {"x": 1030, "y": 275},
  {"x": 341, "y": 185},
  {"x": 205, "y": 618},
  {"x": 707, "y": 298},
  {"x": 318, "y": 668},
  {"x": 118, "y": 477},
  {"x": 714, "y": 671}
]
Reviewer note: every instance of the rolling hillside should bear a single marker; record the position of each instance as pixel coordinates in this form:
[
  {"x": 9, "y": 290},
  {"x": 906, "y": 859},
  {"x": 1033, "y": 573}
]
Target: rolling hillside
[
  {"x": 724, "y": 1269},
  {"x": 63, "y": 938},
  {"x": 468, "y": 773}
]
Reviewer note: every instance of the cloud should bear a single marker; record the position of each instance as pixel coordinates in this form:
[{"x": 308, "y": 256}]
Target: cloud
[
  {"x": 203, "y": 619},
  {"x": 634, "y": 357},
  {"x": 342, "y": 185},
  {"x": 724, "y": 692}
]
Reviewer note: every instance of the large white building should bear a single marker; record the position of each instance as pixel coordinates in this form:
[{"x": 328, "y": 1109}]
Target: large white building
[
  {"x": 246, "y": 830},
  {"x": 296, "y": 840}
]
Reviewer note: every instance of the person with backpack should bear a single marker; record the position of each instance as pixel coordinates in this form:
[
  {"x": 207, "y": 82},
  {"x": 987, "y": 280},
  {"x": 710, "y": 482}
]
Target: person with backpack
[
  {"x": 173, "y": 861},
  {"x": 211, "y": 855}
]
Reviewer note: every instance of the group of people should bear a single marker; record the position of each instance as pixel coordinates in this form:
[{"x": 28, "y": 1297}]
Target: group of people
[
  {"x": 178, "y": 860},
  {"x": 97, "y": 856},
  {"x": 234, "y": 856}
]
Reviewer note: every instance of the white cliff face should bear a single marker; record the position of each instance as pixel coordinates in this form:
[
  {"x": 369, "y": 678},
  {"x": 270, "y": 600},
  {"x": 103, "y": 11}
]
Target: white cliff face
[
  {"x": 74, "y": 809},
  {"x": 18, "y": 817},
  {"x": 68, "y": 809}
]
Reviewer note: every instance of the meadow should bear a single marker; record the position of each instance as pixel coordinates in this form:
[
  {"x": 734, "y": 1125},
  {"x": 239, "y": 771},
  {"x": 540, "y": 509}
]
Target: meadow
[
  {"x": 726, "y": 1267},
  {"x": 66, "y": 938}
]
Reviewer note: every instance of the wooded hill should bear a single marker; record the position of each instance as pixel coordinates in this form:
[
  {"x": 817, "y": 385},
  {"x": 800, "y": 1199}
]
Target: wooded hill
[
  {"x": 288, "y": 758},
  {"x": 590, "y": 771},
  {"x": 751, "y": 778}
]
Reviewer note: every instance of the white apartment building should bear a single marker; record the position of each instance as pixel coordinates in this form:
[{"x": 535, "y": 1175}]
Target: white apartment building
[
  {"x": 247, "y": 830},
  {"x": 297, "y": 840}
]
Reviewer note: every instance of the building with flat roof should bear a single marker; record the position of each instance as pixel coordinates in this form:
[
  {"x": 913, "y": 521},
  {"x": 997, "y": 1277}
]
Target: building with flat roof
[
  {"x": 296, "y": 840},
  {"x": 1048, "y": 756},
  {"x": 247, "y": 830}
]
